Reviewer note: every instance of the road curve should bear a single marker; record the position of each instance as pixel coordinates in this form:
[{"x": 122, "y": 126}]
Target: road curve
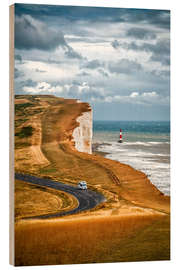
[{"x": 87, "y": 199}]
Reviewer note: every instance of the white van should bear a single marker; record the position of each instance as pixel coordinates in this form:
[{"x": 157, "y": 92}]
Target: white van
[{"x": 82, "y": 185}]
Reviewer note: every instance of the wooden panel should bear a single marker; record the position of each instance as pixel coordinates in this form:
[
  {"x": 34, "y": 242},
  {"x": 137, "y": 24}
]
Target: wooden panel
[{"x": 11, "y": 135}]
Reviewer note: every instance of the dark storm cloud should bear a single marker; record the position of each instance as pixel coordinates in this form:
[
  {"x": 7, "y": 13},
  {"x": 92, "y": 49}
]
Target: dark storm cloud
[
  {"x": 124, "y": 66},
  {"x": 160, "y": 18},
  {"x": 32, "y": 34},
  {"x": 140, "y": 33}
]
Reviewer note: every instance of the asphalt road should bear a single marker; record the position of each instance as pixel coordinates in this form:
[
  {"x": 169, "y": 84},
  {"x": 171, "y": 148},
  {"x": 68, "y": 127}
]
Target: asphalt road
[{"x": 87, "y": 199}]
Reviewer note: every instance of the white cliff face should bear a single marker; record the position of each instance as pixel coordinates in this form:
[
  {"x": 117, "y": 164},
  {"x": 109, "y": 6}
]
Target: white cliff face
[{"x": 83, "y": 133}]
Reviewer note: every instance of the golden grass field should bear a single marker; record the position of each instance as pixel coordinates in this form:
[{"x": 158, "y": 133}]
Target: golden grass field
[
  {"x": 32, "y": 200},
  {"x": 132, "y": 225},
  {"x": 88, "y": 240}
]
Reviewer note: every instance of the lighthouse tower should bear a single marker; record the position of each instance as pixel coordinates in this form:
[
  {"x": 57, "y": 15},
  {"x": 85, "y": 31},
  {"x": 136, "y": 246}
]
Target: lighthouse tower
[{"x": 120, "y": 136}]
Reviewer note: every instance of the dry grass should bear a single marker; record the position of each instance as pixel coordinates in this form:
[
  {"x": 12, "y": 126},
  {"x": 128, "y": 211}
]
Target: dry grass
[
  {"x": 20, "y": 101},
  {"x": 89, "y": 240},
  {"x": 32, "y": 200}
]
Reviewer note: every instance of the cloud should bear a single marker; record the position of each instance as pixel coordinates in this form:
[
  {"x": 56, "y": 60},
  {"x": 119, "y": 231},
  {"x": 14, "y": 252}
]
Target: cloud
[
  {"x": 91, "y": 93},
  {"x": 18, "y": 57},
  {"x": 71, "y": 53},
  {"x": 165, "y": 61},
  {"x": 160, "y": 51},
  {"x": 161, "y": 73},
  {"x": 20, "y": 84},
  {"x": 125, "y": 63},
  {"x": 83, "y": 90},
  {"x": 158, "y": 18},
  {"x": 39, "y": 70},
  {"x": 140, "y": 33},
  {"x": 71, "y": 14},
  {"x": 115, "y": 44},
  {"x": 18, "y": 73},
  {"x": 42, "y": 87},
  {"x": 29, "y": 83},
  {"x": 160, "y": 47},
  {"x": 124, "y": 66},
  {"x": 93, "y": 64},
  {"x": 144, "y": 98},
  {"x": 83, "y": 74},
  {"x": 103, "y": 73},
  {"x": 73, "y": 90},
  {"x": 134, "y": 94},
  {"x": 33, "y": 34}
]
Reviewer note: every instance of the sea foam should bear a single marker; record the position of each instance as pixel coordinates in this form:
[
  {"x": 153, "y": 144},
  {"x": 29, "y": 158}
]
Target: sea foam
[{"x": 143, "y": 157}]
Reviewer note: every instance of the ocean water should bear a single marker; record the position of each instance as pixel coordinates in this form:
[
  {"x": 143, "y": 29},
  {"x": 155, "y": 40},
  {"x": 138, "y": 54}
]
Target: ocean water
[{"x": 145, "y": 147}]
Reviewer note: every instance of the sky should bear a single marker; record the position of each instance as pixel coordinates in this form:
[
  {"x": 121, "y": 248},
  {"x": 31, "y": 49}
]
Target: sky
[{"x": 116, "y": 59}]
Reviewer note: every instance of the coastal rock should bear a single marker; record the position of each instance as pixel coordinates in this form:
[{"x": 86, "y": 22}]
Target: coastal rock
[{"x": 83, "y": 133}]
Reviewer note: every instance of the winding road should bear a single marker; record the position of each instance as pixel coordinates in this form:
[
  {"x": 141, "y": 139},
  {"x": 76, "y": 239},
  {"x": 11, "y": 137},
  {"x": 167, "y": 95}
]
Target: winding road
[{"x": 87, "y": 199}]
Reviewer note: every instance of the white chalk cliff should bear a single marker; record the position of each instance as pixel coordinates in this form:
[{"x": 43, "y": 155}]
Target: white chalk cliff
[{"x": 83, "y": 133}]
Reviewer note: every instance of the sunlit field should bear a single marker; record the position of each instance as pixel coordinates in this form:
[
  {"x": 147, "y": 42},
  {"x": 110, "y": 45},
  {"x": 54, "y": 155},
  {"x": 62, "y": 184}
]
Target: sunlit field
[{"x": 105, "y": 239}]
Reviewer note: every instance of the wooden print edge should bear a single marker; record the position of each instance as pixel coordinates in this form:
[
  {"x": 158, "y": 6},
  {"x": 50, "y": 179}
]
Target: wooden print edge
[{"x": 11, "y": 134}]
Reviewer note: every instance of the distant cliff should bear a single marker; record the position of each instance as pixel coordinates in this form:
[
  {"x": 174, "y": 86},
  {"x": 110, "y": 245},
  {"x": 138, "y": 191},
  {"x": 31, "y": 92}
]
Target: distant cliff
[{"x": 82, "y": 134}]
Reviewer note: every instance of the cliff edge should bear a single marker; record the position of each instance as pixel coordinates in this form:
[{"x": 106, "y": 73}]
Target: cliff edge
[{"x": 82, "y": 135}]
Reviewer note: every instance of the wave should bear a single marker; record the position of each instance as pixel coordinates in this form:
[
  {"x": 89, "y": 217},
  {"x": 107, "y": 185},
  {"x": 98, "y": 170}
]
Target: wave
[
  {"x": 148, "y": 157},
  {"x": 145, "y": 143}
]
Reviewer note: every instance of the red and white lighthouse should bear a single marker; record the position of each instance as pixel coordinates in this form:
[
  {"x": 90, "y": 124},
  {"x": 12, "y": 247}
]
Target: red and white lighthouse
[{"x": 120, "y": 136}]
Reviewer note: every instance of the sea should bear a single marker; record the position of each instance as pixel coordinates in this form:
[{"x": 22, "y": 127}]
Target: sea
[{"x": 145, "y": 147}]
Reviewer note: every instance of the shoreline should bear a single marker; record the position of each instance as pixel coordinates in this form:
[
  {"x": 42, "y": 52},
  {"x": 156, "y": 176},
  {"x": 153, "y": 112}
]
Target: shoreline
[{"x": 95, "y": 151}]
